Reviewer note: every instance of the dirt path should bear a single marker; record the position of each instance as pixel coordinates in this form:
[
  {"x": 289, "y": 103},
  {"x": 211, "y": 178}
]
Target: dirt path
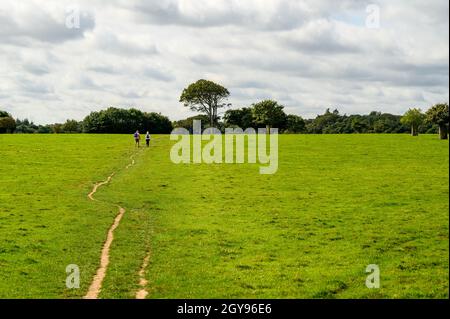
[
  {"x": 142, "y": 293},
  {"x": 132, "y": 162},
  {"x": 96, "y": 284},
  {"x": 96, "y": 186}
]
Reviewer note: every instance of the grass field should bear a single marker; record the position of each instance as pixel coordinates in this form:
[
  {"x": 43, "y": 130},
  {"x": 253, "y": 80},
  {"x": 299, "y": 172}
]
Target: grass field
[{"x": 337, "y": 204}]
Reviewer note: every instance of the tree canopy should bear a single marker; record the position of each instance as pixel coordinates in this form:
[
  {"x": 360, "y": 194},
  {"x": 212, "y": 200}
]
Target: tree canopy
[
  {"x": 206, "y": 97},
  {"x": 295, "y": 124},
  {"x": 242, "y": 118},
  {"x": 269, "y": 114},
  {"x": 7, "y": 124},
  {"x": 265, "y": 113},
  {"x": 71, "y": 126},
  {"x": 124, "y": 121},
  {"x": 414, "y": 118},
  {"x": 4, "y": 114},
  {"x": 189, "y": 122},
  {"x": 439, "y": 114}
]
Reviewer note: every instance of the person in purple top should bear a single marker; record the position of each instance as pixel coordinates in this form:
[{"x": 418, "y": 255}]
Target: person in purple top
[{"x": 137, "y": 138}]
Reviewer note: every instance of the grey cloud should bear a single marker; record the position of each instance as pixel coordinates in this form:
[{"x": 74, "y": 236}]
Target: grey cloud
[
  {"x": 131, "y": 95},
  {"x": 36, "y": 24},
  {"x": 157, "y": 74},
  {"x": 87, "y": 83},
  {"x": 423, "y": 81},
  {"x": 252, "y": 85},
  {"x": 202, "y": 59},
  {"x": 84, "y": 82},
  {"x": 309, "y": 55},
  {"x": 34, "y": 87},
  {"x": 274, "y": 15},
  {"x": 427, "y": 68},
  {"x": 399, "y": 74},
  {"x": 251, "y": 95},
  {"x": 36, "y": 69},
  {"x": 352, "y": 70},
  {"x": 323, "y": 43},
  {"x": 284, "y": 15},
  {"x": 102, "y": 68},
  {"x": 110, "y": 43}
]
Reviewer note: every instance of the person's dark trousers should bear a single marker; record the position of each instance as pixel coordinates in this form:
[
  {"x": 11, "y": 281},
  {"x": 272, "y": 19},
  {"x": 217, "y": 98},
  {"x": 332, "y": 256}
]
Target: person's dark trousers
[{"x": 147, "y": 142}]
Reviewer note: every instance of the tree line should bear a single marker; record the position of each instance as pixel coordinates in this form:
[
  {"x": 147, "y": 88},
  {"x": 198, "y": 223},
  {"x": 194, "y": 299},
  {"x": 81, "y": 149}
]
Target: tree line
[
  {"x": 112, "y": 120},
  {"x": 330, "y": 122},
  {"x": 208, "y": 97}
]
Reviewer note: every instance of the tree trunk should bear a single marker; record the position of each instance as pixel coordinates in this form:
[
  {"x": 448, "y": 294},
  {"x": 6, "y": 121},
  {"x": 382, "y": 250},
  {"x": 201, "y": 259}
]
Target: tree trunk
[
  {"x": 211, "y": 116},
  {"x": 414, "y": 131},
  {"x": 443, "y": 132}
]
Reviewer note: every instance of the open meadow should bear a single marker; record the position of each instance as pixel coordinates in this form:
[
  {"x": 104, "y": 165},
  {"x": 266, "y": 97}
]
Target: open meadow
[{"x": 337, "y": 204}]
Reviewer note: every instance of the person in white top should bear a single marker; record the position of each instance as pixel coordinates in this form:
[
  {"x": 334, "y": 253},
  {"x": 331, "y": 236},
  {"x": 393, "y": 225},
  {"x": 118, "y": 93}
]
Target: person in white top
[{"x": 147, "y": 139}]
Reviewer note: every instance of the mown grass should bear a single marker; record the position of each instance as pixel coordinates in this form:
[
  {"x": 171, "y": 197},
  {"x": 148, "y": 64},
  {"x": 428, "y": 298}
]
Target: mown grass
[
  {"x": 46, "y": 220},
  {"x": 337, "y": 204}
]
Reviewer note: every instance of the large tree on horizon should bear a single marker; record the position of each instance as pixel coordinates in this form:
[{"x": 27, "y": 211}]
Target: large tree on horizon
[
  {"x": 122, "y": 121},
  {"x": 414, "y": 118},
  {"x": 7, "y": 122},
  {"x": 206, "y": 97},
  {"x": 270, "y": 114},
  {"x": 438, "y": 114},
  {"x": 4, "y": 114},
  {"x": 242, "y": 118}
]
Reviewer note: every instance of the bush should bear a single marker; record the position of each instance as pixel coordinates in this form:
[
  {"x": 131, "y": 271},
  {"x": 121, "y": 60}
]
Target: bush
[
  {"x": 7, "y": 124},
  {"x": 122, "y": 121}
]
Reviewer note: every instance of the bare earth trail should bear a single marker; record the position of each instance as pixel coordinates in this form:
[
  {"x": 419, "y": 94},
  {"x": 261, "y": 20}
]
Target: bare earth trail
[
  {"x": 96, "y": 285},
  {"x": 142, "y": 293}
]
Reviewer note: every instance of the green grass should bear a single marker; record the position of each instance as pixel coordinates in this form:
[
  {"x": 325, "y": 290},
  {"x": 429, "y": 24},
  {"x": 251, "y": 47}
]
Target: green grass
[
  {"x": 337, "y": 204},
  {"x": 46, "y": 220}
]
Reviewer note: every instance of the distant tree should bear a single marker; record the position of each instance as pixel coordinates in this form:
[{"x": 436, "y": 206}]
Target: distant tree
[
  {"x": 57, "y": 128},
  {"x": 242, "y": 118},
  {"x": 124, "y": 121},
  {"x": 429, "y": 128},
  {"x": 71, "y": 126},
  {"x": 375, "y": 122},
  {"x": 294, "y": 124},
  {"x": 26, "y": 126},
  {"x": 359, "y": 124},
  {"x": 44, "y": 129},
  {"x": 93, "y": 123},
  {"x": 4, "y": 114},
  {"x": 379, "y": 126},
  {"x": 156, "y": 123},
  {"x": 270, "y": 114},
  {"x": 113, "y": 120},
  {"x": 7, "y": 124},
  {"x": 439, "y": 115},
  {"x": 189, "y": 122},
  {"x": 390, "y": 124},
  {"x": 329, "y": 122},
  {"x": 206, "y": 97},
  {"x": 414, "y": 118}
]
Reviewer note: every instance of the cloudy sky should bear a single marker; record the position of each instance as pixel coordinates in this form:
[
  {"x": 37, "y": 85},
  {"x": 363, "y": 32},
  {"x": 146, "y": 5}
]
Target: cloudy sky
[{"x": 354, "y": 55}]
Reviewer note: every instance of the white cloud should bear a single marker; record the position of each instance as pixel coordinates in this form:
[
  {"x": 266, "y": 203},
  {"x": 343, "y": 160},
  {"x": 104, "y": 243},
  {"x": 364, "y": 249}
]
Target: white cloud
[{"x": 310, "y": 55}]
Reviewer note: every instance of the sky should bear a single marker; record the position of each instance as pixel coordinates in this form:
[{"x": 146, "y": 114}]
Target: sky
[{"x": 64, "y": 59}]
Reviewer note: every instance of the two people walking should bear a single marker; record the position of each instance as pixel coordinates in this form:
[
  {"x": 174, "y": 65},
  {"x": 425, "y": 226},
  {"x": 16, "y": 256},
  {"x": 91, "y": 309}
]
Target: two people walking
[{"x": 137, "y": 138}]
